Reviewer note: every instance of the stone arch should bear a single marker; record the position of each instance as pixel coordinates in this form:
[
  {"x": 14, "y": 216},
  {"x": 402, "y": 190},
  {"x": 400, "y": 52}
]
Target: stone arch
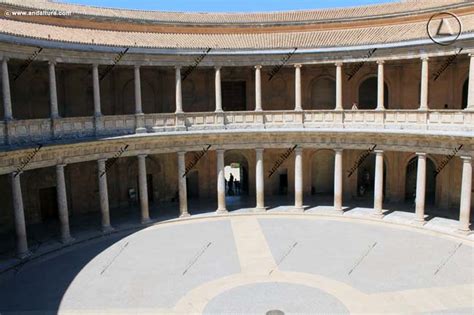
[
  {"x": 322, "y": 172},
  {"x": 367, "y": 93},
  {"x": 323, "y": 93}
]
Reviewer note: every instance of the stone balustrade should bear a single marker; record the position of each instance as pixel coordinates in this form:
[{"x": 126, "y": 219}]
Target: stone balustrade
[{"x": 45, "y": 130}]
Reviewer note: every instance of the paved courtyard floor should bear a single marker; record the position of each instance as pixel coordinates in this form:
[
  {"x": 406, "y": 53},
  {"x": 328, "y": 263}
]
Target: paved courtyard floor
[{"x": 251, "y": 264}]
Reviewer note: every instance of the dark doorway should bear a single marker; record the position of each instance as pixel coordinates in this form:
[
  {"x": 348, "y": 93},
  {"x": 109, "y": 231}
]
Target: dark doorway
[
  {"x": 192, "y": 184},
  {"x": 464, "y": 93},
  {"x": 410, "y": 181},
  {"x": 234, "y": 96},
  {"x": 48, "y": 204},
  {"x": 368, "y": 94},
  {"x": 283, "y": 184}
]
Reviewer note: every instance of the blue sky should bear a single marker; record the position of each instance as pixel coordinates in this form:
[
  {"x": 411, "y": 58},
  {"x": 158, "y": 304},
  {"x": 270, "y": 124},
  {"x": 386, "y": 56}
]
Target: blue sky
[{"x": 224, "y": 5}]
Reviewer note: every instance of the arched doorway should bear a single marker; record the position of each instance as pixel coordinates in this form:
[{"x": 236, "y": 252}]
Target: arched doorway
[
  {"x": 410, "y": 181},
  {"x": 464, "y": 93},
  {"x": 366, "y": 178},
  {"x": 322, "y": 173},
  {"x": 323, "y": 94},
  {"x": 237, "y": 188},
  {"x": 368, "y": 94}
]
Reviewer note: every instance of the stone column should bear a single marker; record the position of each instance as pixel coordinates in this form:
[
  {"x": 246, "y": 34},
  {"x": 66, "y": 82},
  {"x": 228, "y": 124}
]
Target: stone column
[
  {"x": 221, "y": 206},
  {"x": 62, "y": 204},
  {"x": 259, "y": 176},
  {"x": 380, "y": 85},
  {"x": 299, "y": 179},
  {"x": 298, "y": 106},
  {"x": 258, "y": 89},
  {"x": 338, "y": 180},
  {"x": 378, "y": 185},
  {"x": 179, "y": 96},
  {"x": 218, "y": 90},
  {"x": 7, "y": 101},
  {"x": 424, "y": 84},
  {"x": 466, "y": 187},
  {"x": 96, "y": 89},
  {"x": 19, "y": 213},
  {"x": 183, "y": 194},
  {"x": 138, "y": 90},
  {"x": 143, "y": 189},
  {"x": 470, "y": 89},
  {"x": 339, "y": 86},
  {"x": 104, "y": 196},
  {"x": 420, "y": 189},
  {"x": 53, "y": 96}
]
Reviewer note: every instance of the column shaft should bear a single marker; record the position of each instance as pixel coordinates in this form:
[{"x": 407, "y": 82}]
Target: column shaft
[
  {"x": 338, "y": 86},
  {"x": 338, "y": 180},
  {"x": 218, "y": 90},
  {"x": 420, "y": 188},
  {"x": 378, "y": 184},
  {"x": 380, "y": 85},
  {"x": 19, "y": 213},
  {"x": 143, "y": 189},
  {"x": 179, "y": 97},
  {"x": 298, "y": 105},
  {"x": 259, "y": 175},
  {"x": 424, "y": 84},
  {"x": 466, "y": 187},
  {"x": 96, "y": 89},
  {"x": 62, "y": 204},
  {"x": 470, "y": 89},
  {"x": 299, "y": 179},
  {"x": 258, "y": 89},
  {"x": 104, "y": 195},
  {"x": 183, "y": 194},
  {"x": 53, "y": 96},
  {"x": 7, "y": 101},
  {"x": 138, "y": 90},
  {"x": 221, "y": 204}
]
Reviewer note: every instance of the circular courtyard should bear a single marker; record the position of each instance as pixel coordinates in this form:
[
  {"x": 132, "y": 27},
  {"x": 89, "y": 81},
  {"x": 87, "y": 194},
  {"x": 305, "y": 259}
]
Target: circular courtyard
[{"x": 251, "y": 264}]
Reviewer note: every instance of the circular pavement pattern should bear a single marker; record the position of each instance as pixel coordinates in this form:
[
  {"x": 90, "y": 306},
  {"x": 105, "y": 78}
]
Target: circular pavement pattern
[{"x": 251, "y": 264}]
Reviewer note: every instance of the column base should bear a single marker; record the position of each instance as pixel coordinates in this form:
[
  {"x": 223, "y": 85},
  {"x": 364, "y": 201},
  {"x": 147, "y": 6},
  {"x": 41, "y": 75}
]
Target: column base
[
  {"x": 146, "y": 221},
  {"x": 107, "y": 229},
  {"x": 260, "y": 209},
  {"x": 68, "y": 240},
  {"x": 184, "y": 215},
  {"x": 221, "y": 211},
  {"x": 419, "y": 222},
  {"x": 377, "y": 215},
  {"x": 464, "y": 231},
  {"x": 339, "y": 211},
  {"x": 23, "y": 255},
  {"x": 140, "y": 130}
]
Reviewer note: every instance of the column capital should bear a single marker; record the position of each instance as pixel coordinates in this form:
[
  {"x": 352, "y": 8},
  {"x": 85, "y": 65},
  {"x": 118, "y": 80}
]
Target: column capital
[
  {"x": 338, "y": 150},
  {"x": 258, "y": 67},
  {"x": 420, "y": 154},
  {"x": 424, "y": 58},
  {"x": 259, "y": 150},
  {"x": 61, "y": 165},
  {"x": 339, "y": 64},
  {"x": 95, "y": 65},
  {"x": 298, "y": 65},
  {"x": 177, "y": 67},
  {"x": 4, "y": 58},
  {"x": 471, "y": 54},
  {"x": 102, "y": 160},
  {"x": 52, "y": 62},
  {"x": 16, "y": 173},
  {"x": 466, "y": 158},
  {"x": 380, "y": 62},
  {"x": 217, "y": 68},
  {"x": 137, "y": 66},
  {"x": 298, "y": 149},
  {"x": 142, "y": 155},
  {"x": 181, "y": 153},
  {"x": 378, "y": 152},
  {"x": 220, "y": 151}
]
